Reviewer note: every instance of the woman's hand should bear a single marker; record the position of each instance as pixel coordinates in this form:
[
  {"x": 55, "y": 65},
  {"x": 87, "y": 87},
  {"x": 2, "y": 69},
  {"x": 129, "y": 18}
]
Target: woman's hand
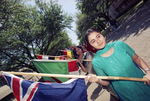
[
  {"x": 147, "y": 76},
  {"x": 77, "y": 60},
  {"x": 91, "y": 78},
  {"x": 81, "y": 65}
]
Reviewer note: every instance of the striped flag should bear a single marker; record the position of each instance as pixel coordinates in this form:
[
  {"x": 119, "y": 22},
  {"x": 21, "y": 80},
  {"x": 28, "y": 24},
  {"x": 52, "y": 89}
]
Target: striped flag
[
  {"x": 24, "y": 90},
  {"x": 46, "y": 57},
  {"x": 67, "y": 54},
  {"x": 56, "y": 67}
]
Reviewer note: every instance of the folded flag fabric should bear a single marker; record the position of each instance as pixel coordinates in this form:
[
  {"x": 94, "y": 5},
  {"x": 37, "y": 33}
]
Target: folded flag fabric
[
  {"x": 56, "y": 67},
  {"x": 24, "y": 90},
  {"x": 46, "y": 57},
  {"x": 67, "y": 54}
]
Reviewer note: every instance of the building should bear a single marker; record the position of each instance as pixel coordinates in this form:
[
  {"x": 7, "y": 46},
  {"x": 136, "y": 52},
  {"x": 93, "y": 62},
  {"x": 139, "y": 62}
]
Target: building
[{"x": 119, "y": 7}]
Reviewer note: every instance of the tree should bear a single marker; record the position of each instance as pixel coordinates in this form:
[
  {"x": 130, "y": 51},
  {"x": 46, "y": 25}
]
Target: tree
[
  {"x": 26, "y": 31},
  {"x": 10, "y": 49},
  {"x": 60, "y": 42},
  {"x": 53, "y": 21},
  {"x": 85, "y": 22},
  {"x": 100, "y": 7},
  {"x": 94, "y": 14}
]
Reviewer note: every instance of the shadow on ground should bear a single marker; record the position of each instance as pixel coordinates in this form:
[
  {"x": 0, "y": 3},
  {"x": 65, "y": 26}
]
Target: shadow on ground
[{"x": 133, "y": 25}]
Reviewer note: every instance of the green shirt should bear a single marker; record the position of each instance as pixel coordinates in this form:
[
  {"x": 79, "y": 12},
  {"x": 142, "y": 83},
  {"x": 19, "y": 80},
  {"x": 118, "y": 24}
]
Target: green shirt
[{"x": 120, "y": 63}]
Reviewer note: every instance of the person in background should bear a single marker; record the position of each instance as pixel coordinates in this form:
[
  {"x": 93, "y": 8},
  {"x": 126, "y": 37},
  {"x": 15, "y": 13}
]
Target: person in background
[
  {"x": 113, "y": 23},
  {"x": 117, "y": 59},
  {"x": 84, "y": 47},
  {"x": 81, "y": 56}
]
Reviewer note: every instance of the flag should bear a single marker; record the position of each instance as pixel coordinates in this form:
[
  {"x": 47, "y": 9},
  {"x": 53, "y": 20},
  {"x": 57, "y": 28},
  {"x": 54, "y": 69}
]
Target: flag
[
  {"x": 46, "y": 57},
  {"x": 67, "y": 54},
  {"x": 72, "y": 47},
  {"x": 25, "y": 90},
  {"x": 56, "y": 67}
]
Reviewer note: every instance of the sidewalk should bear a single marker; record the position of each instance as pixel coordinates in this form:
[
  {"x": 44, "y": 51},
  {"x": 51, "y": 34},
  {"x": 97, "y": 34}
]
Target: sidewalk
[{"x": 135, "y": 31}]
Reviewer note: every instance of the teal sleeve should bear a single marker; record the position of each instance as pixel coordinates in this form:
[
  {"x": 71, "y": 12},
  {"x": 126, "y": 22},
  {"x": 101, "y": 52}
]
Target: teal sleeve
[
  {"x": 98, "y": 71},
  {"x": 128, "y": 49}
]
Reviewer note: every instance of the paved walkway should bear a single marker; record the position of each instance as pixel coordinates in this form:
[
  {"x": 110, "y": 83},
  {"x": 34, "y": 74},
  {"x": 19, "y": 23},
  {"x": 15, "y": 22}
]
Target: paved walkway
[{"x": 135, "y": 31}]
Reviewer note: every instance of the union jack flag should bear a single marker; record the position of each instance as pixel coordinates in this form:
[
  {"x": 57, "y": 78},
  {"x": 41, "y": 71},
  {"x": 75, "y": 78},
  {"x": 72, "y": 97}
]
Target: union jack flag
[{"x": 25, "y": 90}]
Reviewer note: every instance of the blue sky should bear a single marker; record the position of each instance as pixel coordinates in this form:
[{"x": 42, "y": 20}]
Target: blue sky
[{"x": 69, "y": 7}]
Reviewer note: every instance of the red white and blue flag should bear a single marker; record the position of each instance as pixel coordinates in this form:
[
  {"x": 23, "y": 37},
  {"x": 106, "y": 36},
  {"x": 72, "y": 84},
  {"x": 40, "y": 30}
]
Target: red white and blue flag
[{"x": 24, "y": 90}]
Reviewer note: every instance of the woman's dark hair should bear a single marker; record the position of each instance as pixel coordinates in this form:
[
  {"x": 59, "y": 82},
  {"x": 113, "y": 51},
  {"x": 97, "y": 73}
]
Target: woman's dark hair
[
  {"x": 74, "y": 51},
  {"x": 88, "y": 32}
]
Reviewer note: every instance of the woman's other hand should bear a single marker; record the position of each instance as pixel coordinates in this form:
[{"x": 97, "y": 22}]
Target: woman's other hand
[
  {"x": 147, "y": 76},
  {"x": 77, "y": 60},
  {"x": 91, "y": 78}
]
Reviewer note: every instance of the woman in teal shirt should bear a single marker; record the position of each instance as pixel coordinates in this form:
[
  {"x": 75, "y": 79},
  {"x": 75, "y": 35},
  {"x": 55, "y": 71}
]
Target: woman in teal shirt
[{"x": 117, "y": 59}]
